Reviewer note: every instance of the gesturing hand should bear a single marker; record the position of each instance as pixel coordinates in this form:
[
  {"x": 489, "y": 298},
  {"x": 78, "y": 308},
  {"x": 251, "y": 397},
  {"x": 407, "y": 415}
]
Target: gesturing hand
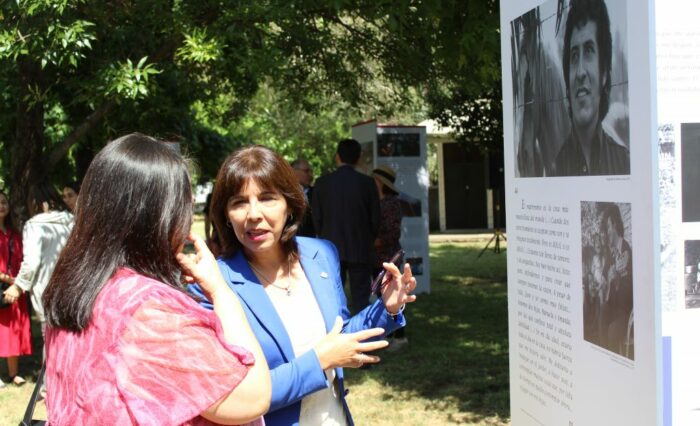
[
  {"x": 397, "y": 287},
  {"x": 201, "y": 267},
  {"x": 337, "y": 349}
]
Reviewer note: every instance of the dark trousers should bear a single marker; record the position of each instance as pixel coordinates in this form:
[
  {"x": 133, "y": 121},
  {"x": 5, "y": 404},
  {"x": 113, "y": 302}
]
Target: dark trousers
[{"x": 360, "y": 276}]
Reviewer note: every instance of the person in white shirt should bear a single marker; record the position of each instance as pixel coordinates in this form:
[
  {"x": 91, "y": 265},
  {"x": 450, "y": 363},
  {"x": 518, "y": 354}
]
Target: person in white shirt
[{"x": 43, "y": 238}]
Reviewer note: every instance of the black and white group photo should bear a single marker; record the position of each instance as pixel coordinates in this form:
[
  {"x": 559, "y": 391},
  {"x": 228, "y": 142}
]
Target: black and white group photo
[
  {"x": 691, "y": 275},
  {"x": 570, "y": 89},
  {"x": 606, "y": 245}
]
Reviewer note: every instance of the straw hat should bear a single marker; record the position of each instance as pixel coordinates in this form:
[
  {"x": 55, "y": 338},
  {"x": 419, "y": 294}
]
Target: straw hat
[{"x": 386, "y": 175}]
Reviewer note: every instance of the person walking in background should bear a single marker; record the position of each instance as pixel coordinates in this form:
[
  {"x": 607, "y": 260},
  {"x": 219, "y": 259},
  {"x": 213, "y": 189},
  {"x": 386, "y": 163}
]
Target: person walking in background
[
  {"x": 43, "y": 238},
  {"x": 125, "y": 344},
  {"x": 292, "y": 292},
  {"x": 15, "y": 332},
  {"x": 387, "y": 242},
  {"x": 345, "y": 210},
  {"x": 305, "y": 176},
  {"x": 70, "y": 195}
]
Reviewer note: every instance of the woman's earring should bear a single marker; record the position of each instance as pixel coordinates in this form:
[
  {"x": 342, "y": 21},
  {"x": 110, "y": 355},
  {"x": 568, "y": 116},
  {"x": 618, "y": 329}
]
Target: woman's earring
[{"x": 228, "y": 224}]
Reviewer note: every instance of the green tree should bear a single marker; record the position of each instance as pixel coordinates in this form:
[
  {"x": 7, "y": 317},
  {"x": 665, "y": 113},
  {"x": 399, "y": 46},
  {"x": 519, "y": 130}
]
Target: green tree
[
  {"x": 273, "y": 119},
  {"x": 79, "y": 72},
  {"x": 464, "y": 87}
]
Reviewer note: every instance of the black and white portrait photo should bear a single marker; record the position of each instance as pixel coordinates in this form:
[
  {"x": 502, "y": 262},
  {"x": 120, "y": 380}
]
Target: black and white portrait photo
[
  {"x": 398, "y": 145},
  {"x": 690, "y": 172},
  {"x": 570, "y": 89},
  {"x": 606, "y": 246}
]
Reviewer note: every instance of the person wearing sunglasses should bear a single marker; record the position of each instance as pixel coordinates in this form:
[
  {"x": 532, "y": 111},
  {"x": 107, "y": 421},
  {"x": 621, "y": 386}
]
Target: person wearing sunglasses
[{"x": 292, "y": 292}]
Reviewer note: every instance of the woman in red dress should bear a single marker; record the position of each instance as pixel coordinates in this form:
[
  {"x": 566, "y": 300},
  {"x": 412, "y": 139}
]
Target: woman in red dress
[{"x": 15, "y": 333}]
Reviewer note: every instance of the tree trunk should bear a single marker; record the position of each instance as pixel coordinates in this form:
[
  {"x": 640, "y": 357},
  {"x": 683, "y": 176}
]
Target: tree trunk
[{"x": 27, "y": 165}]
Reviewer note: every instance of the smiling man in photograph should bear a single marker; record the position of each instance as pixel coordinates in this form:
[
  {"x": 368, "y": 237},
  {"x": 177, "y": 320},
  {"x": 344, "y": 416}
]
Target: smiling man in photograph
[{"x": 587, "y": 60}]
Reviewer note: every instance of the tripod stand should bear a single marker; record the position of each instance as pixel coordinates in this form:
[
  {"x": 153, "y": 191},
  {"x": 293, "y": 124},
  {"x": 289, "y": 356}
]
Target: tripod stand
[{"x": 497, "y": 233}]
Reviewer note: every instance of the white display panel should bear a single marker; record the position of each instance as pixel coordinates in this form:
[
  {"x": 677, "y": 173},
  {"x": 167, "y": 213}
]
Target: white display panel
[
  {"x": 403, "y": 148},
  {"x": 582, "y": 197},
  {"x": 678, "y": 66}
]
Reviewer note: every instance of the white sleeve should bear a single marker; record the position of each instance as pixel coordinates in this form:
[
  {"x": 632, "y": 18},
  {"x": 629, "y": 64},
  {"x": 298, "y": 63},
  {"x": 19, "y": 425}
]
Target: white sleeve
[{"x": 31, "y": 242}]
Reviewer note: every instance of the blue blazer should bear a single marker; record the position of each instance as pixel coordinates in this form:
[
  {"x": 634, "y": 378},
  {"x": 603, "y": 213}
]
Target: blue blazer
[{"x": 293, "y": 378}]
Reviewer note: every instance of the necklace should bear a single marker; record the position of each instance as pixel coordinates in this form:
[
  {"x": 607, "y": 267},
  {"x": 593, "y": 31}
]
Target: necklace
[{"x": 288, "y": 288}]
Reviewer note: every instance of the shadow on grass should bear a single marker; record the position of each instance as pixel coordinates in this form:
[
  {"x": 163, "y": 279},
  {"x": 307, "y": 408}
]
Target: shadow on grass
[
  {"x": 457, "y": 354},
  {"x": 458, "y": 337}
]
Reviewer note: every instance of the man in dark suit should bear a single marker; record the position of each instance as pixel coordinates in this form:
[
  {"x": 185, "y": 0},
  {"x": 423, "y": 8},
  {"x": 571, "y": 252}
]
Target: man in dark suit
[
  {"x": 305, "y": 176},
  {"x": 345, "y": 209}
]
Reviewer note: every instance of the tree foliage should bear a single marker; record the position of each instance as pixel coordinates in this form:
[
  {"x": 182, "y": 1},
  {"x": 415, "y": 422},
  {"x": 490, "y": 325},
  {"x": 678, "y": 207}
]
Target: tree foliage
[
  {"x": 465, "y": 92},
  {"x": 216, "y": 74}
]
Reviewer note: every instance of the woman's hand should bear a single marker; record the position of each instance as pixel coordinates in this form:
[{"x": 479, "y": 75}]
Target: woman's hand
[
  {"x": 348, "y": 350},
  {"x": 201, "y": 267},
  {"x": 396, "y": 287},
  {"x": 12, "y": 294}
]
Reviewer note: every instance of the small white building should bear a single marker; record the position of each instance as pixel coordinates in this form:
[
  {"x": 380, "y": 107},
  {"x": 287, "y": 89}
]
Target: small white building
[{"x": 469, "y": 192}]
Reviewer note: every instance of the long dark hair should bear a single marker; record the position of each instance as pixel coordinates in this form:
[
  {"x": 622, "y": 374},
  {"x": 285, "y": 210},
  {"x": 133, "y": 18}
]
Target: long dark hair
[
  {"x": 74, "y": 185},
  {"x": 135, "y": 210},
  {"x": 8, "y": 222},
  {"x": 612, "y": 211},
  {"x": 43, "y": 192},
  {"x": 271, "y": 172}
]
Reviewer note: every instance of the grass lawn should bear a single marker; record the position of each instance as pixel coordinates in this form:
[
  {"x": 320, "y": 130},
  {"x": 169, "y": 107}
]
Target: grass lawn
[
  {"x": 14, "y": 400},
  {"x": 454, "y": 370}
]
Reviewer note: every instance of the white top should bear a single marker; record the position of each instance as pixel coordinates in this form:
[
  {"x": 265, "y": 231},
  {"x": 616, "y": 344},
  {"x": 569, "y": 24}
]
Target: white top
[
  {"x": 43, "y": 238},
  {"x": 304, "y": 323}
]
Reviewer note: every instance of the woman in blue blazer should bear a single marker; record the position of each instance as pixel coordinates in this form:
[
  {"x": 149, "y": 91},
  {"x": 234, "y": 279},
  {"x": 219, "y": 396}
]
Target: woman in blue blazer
[{"x": 291, "y": 290}]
